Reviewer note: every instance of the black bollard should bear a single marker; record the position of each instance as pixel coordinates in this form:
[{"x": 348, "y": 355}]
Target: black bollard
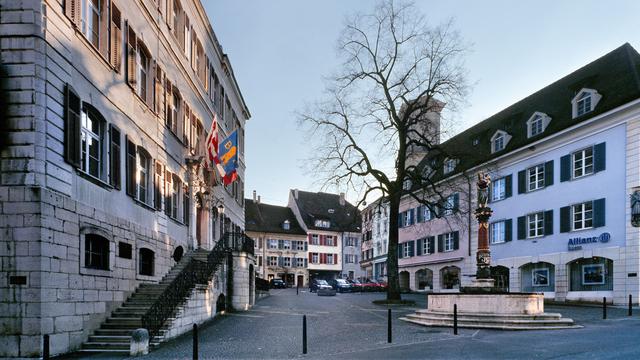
[
  {"x": 455, "y": 319},
  {"x": 604, "y": 308},
  {"x": 297, "y": 288},
  {"x": 304, "y": 334},
  {"x": 389, "y": 326},
  {"x": 45, "y": 347},
  {"x": 195, "y": 341}
]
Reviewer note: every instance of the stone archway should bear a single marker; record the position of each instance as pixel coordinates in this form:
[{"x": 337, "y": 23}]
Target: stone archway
[
  {"x": 404, "y": 280},
  {"x": 424, "y": 279},
  {"x": 537, "y": 277},
  {"x": 500, "y": 275},
  {"x": 221, "y": 303},
  {"x": 450, "y": 277},
  {"x": 591, "y": 274}
]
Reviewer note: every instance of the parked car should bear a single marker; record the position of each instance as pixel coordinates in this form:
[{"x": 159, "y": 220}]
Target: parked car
[
  {"x": 278, "y": 284},
  {"x": 369, "y": 285},
  {"x": 382, "y": 285},
  {"x": 317, "y": 284},
  {"x": 340, "y": 285},
  {"x": 356, "y": 285}
]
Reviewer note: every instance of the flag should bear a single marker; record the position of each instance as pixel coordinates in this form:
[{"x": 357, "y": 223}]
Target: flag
[
  {"x": 212, "y": 144},
  {"x": 228, "y": 158}
]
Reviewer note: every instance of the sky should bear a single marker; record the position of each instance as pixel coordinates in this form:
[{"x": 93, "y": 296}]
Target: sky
[{"x": 281, "y": 50}]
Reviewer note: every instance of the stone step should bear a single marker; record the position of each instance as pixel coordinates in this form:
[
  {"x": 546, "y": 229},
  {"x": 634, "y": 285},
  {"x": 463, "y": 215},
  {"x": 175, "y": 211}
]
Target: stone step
[
  {"x": 105, "y": 346},
  {"x": 493, "y": 326},
  {"x": 542, "y": 316},
  {"x": 120, "y": 326},
  {"x": 109, "y": 339},
  {"x": 474, "y": 320},
  {"x": 124, "y": 320}
]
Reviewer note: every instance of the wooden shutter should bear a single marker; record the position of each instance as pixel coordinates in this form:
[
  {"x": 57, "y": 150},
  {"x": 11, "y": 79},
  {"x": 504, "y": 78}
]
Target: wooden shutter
[
  {"x": 400, "y": 252},
  {"x": 167, "y": 192},
  {"x": 169, "y": 14},
  {"x": 131, "y": 168},
  {"x": 105, "y": 21},
  {"x": 599, "y": 157},
  {"x": 114, "y": 156},
  {"x": 456, "y": 240},
  {"x": 565, "y": 168},
  {"x": 115, "y": 51},
  {"x": 456, "y": 202},
  {"x": 72, "y": 142},
  {"x": 72, "y": 9},
  {"x": 522, "y": 182},
  {"x": 132, "y": 48},
  {"x": 548, "y": 173},
  {"x": 186, "y": 124},
  {"x": 599, "y": 212},
  {"x": 432, "y": 244},
  {"x": 168, "y": 101},
  {"x": 419, "y": 217},
  {"x": 411, "y": 245},
  {"x": 548, "y": 222},
  {"x": 419, "y": 247},
  {"x": 522, "y": 227},
  {"x": 440, "y": 243},
  {"x": 180, "y": 30},
  {"x": 508, "y": 230},
  {"x": 157, "y": 186},
  {"x": 565, "y": 219},
  {"x": 159, "y": 91},
  {"x": 508, "y": 185}
]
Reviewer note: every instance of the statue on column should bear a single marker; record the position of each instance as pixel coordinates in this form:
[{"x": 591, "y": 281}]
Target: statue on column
[{"x": 483, "y": 213}]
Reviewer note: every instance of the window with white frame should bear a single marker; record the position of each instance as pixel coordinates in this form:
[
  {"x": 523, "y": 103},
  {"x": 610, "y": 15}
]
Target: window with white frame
[
  {"x": 535, "y": 225},
  {"x": 498, "y": 232},
  {"x": 448, "y": 242},
  {"x": 300, "y": 262},
  {"x": 175, "y": 195},
  {"x": 330, "y": 259},
  {"x": 272, "y": 244},
  {"x": 449, "y": 205},
  {"x": 406, "y": 185},
  {"x": 449, "y": 165},
  {"x": 406, "y": 250},
  {"x": 535, "y": 177},
  {"x": 536, "y": 125},
  {"x": 498, "y": 189},
  {"x": 583, "y": 103},
  {"x": 582, "y": 162},
  {"x": 314, "y": 258},
  {"x": 90, "y": 21},
  {"x": 498, "y": 143},
  {"x": 407, "y": 218},
  {"x": 582, "y": 216},
  {"x": 322, "y": 223},
  {"x": 286, "y": 261},
  {"x": 298, "y": 245},
  {"x": 142, "y": 184},
  {"x": 272, "y": 261},
  {"x": 426, "y": 213},
  {"x": 426, "y": 249},
  {"x": 330, "y": 240},
  {"x": 286, "y": 244},
  {"x": 92, "y": 134},
  {"x": 315, "y": 239}
]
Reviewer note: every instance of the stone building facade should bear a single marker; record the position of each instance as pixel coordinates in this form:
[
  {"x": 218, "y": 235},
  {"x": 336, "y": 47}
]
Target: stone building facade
[{"x": 102, "y": 187}]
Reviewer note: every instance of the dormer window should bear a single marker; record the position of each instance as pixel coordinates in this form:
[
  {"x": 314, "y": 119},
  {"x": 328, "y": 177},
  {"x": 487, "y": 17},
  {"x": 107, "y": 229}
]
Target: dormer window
[
  {"x": 406, "y": 185},
  {"x": 449, "y": 165},
  {"x": 584, "y": 102},
  {"x": 537, "y": 123},
  {"x": 331, "y": 211},
  {"x": 286, "y": 225},
  {"x": 322, "y": 223},
  {"x": 499, "y": 141}
]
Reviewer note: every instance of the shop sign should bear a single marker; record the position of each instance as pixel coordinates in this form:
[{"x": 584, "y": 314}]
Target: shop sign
[{"x": 576, "y": 243}]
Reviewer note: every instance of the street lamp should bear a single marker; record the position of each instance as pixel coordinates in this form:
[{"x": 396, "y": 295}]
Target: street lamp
[{"x": 221, "y": 212}]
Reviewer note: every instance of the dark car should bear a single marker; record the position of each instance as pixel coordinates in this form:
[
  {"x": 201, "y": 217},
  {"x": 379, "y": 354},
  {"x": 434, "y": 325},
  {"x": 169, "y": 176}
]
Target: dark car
[
  {"x": 317, "y": 284},
  {"x": 278, "y": 284},
  {"x": 340, "y": 285},
  {"x": 356, "y": 285}
]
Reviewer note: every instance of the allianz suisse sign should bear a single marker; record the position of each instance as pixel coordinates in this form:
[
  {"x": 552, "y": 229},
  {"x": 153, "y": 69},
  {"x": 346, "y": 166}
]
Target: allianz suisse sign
[{"x": 576, "y": 243}]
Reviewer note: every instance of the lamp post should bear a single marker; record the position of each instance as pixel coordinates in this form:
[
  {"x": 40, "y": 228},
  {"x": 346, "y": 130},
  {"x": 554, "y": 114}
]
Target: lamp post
[{"x": 221, "y": 213}]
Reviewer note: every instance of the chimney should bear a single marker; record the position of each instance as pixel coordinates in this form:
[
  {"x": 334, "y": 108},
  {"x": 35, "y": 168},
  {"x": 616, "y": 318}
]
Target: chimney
[
  {"x": 258, "y": 199},
  {"x": 254, "y": 196},
  {"x": 342, "y": 202},
  {"x": 295, "y": 193}
]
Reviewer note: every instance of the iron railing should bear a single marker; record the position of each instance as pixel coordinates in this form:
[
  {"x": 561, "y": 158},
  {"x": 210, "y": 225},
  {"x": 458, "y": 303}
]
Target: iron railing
[
  {"x": 262, "y": 284},
  {"x": 196, "y": 272}
]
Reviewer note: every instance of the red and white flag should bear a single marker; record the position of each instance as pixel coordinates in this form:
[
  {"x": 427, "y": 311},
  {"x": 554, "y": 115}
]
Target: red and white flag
[{"x": 212, "y": 144}]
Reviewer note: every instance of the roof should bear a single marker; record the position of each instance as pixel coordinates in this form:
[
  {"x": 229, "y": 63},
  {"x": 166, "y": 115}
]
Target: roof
[
  {"x": 324, "y": 206},
  {"x": 614, "y": 76},
  {"x": 261, "y": 217}
]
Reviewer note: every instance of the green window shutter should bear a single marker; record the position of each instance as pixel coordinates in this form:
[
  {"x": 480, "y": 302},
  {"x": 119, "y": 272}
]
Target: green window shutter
[
  {"x": 400, "y": 251},
  {"x": 432, "y": 244},
  {"x": 411, "y": 245},
  {"x": 598, "y": 213},
  {"x": 565, "y": 168},
  {"x": 440, "y": 243},
  {"x": 507, "y": 186},
  {"x": 412, "y": 218},
  {"x": 114, "y": 156},
  {"x": 522, "y": 227},
  {"x": 565, "y": 219},
  {"x": 400, "y": 220},
  {"x": 508, "y": 230},
  {"x": 548, "y": 222},
  {"x": 72, "y": 123},
  {"x": 419, "y": 247},
  {"x": 419, "y": 217},
  {"x": 548, "y": 173},
  {"x": 131, "y": 168},
  {"x": 522, "y": 182},
  {"x": 599, "y": 157},
  {"x": 456, "y": 240},
  {"x": 456, "y": 202}
]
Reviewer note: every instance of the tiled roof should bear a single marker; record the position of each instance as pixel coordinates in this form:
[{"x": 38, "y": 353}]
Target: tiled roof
[
  {"x": 261, "y": 217},
  {"x": 324, "y": 206}
]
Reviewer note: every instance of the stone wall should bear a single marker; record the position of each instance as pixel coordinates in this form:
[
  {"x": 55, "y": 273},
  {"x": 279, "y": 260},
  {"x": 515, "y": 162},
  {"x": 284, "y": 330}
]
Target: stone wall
[{"x": 243, "y": 294}]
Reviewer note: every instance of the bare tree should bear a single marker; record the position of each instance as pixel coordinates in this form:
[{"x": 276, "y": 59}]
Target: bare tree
[{"x": 382, "y": 112}]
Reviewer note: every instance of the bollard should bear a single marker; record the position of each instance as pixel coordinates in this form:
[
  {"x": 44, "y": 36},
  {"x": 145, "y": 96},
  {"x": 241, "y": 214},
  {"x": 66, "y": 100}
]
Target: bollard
[
  {"x": 604, "y": 307},
  {"x": 389, "y": 326},
  {"x": 455, "y": 319},
  {"x": 297, "y": 288},
  {"x": 304, "y": 334},
  {"x": 630, "y": 313},
  {"x": 45, "y": 347},
  {"x": 195, "y": 341}
]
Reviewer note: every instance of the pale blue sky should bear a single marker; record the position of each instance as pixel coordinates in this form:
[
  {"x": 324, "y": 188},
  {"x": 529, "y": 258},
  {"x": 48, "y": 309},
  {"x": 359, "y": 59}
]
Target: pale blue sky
[{"x": 281, "y": 49}]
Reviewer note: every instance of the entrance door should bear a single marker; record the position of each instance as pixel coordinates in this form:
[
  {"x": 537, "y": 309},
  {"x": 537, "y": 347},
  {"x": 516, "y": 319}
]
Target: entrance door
[
  {"x": 199, "y": 227},
  {"x": 300, "y": 282},
  {"x": 289, "y": 279}
]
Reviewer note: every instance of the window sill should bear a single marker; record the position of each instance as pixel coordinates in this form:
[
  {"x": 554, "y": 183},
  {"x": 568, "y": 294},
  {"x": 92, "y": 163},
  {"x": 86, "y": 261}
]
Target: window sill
[
  {"x": 581, "y": 230},
  {"x": 95, "y": 272},
  {"x": 176, "y": 220},
  {"x": 142, "y": 204},
  {"x": 94, "y": 180},
  {"x": 581, "y": 176}
]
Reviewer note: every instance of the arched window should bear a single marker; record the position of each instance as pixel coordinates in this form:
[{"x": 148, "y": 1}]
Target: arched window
[
  {"x": 92, "y": 132},
  {"x": 591, "y": 274},
  {"x": 146, "y": 262},
  {"x": 96, "y": 252}
]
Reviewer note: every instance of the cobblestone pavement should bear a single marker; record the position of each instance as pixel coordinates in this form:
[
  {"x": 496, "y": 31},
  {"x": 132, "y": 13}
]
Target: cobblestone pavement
[{"x": 349, "y": 326}]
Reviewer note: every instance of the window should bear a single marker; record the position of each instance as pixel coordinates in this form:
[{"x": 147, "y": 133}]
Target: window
[
  {"x": 175, "y": 14},
  {"x": 536, "y": 125},
  {"x": 426, "y": 246},
  {"x": 298, "y": 245},
  {"x": 583, "y": 216},
  {"x": 286, "y": 262},
  {"x": 125, "y": 250},
  {"x": 426, "y": 216},
  {"x": 406, "y": 185},
  {"x": 584, "y": 103},
  {"x": 286, "y": 244},
  {"x": 286, "y": 225},
  {"x": 407, "y": 218},
  {"x": 315, "y": 239},
  {"x": 272, "y": 244},
  {"x": 314, "y": 258},
  {"x": 498, "y": 232},
  {"x": 535, "y": 225},
  {"x": 329, "y": 241},
  {"x": 142, "y": 65},
  {"x": 451, "y": 204},
  {"x": 90, "y": 22},
  {"x": 582, "y": 162},
  {"x": 146, "y": 262},
  {"x": 540, "y": 277},
  {"x": 498, "y": 143},
  {"x": 535, "y": 177},
  {"x": 499, "y": 140},
  {"x": 498, "y": 189},
  {"x": 406, "y": 250},
  {"x": 96, "y": 252},
  {"x": 272, "y": 261},
  {"x": 449, "y": 165},
  {"x": 92, "y": 131},
  {"x": 142, "y": 176},
  {"x": 330, "y": 259},
  {"x": 322, "y": 223},
  {"x": 299, "y": 262},
  {"x": 175, "y": 196},
  {"x": 173, "y": 109},
  {"x": 448, "y": 242}
]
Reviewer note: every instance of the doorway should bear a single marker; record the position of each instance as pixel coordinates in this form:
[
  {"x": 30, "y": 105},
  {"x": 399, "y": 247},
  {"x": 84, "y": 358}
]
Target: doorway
[{"x": 300, "y": 282}]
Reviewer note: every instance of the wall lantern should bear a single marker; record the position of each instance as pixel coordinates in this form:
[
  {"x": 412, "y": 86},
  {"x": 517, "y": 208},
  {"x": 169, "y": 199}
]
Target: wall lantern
[{"x": 635, "y": 208}]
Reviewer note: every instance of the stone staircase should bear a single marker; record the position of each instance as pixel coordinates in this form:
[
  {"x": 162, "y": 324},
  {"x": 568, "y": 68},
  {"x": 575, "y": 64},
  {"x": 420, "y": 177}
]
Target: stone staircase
[
  {"x": 114, "y": 334},
  {"x": 543, "y": 321}
]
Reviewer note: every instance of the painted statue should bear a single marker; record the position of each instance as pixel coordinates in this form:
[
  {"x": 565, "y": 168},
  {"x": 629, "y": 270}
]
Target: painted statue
[{"x": 484, "y": 180}]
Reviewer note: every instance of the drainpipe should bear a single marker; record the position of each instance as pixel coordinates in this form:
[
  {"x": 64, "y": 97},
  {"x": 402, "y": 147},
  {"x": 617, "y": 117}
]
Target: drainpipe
[{"x": 469, "y": 216}]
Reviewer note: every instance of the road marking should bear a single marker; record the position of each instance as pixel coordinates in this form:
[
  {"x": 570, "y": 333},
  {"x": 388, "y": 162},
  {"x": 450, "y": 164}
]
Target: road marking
[{"x": 245, "y": 315}]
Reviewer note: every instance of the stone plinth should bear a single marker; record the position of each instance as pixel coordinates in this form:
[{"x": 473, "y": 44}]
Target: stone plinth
[{"x": 514, "y": 303}]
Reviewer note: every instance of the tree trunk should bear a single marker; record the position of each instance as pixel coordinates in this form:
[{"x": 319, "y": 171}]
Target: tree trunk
[{"x": 393, "y": 292}]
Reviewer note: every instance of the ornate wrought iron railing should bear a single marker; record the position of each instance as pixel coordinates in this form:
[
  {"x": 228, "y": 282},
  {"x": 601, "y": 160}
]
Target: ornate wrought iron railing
[{"x": 239, "y": 241}]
